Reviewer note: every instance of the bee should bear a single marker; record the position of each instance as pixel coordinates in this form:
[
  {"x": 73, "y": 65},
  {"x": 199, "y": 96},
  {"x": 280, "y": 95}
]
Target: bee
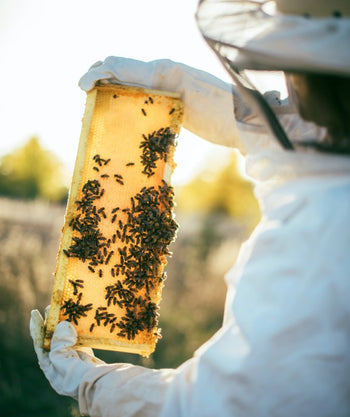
[{"x": 109, "y": 257}]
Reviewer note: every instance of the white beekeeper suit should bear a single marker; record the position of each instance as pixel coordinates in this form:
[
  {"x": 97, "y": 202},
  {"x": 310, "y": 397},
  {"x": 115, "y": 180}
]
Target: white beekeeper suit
[{"x": 283, "y": 349}]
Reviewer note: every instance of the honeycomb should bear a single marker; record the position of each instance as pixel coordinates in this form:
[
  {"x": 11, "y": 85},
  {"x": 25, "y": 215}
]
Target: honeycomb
[{"x": 119, "y": 220}]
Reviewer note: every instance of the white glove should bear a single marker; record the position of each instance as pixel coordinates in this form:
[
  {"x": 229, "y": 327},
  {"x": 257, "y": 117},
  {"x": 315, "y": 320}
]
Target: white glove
[
  {"x": 64, "y": 366},
  {"x": 102, "y": 389},
  {"x": 208, "y": 101}
]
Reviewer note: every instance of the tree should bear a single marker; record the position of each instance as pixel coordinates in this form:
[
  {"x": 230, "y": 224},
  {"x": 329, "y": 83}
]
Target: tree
[
  {"x": 225, "y": 192},
  {"x": 31, "y": 171}
]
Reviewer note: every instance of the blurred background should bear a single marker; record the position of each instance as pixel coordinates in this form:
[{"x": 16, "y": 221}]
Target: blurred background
[{"x": 45, "y": 47}]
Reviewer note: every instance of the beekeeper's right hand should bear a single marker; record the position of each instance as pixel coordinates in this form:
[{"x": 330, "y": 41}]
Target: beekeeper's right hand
[{"x": 208, "y": 101}]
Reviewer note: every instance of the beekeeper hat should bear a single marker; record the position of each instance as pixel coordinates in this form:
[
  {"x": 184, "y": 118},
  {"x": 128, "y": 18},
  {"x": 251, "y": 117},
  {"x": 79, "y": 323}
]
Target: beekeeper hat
[{"x": 288, "y": 35}]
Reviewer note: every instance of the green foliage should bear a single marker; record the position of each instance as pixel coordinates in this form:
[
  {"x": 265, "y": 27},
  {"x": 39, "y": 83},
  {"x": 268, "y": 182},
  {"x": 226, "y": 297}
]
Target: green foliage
[
  {"x": 31, "y": 172},
  {"x": 224, "y": 192}
]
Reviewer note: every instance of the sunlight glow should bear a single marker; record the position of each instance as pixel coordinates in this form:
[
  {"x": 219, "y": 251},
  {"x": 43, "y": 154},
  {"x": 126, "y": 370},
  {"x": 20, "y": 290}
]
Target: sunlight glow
[{"x": 47, "y": 46}]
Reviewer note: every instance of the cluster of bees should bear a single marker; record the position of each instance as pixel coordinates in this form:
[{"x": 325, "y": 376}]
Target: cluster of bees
[{"x": 134, "y": 254}]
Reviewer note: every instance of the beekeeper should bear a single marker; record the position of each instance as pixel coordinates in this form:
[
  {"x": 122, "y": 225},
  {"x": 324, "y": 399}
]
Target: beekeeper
[{"x": 283, "y": 349}]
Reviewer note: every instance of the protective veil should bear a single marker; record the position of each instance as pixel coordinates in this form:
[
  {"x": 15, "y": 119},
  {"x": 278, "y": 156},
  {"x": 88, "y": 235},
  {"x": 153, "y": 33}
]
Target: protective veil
[{"x": 283, "y": 349}]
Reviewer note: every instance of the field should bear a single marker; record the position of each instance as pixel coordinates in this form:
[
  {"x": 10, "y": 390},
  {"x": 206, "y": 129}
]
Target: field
[{"x": 191, "y": 309}]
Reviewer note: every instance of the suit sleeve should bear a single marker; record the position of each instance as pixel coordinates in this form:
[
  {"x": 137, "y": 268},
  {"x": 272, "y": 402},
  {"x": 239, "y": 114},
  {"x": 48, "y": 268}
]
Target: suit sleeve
[{"x": 208, "y": 101}]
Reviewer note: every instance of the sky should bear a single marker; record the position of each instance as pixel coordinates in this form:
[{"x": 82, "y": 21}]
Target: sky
[{"x": 46, "y": 46}]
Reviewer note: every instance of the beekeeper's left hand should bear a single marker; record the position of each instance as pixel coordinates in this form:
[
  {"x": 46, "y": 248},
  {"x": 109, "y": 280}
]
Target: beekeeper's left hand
[
  {"x": 65, "y": 365},
  {"x": 208, "y": 101}
]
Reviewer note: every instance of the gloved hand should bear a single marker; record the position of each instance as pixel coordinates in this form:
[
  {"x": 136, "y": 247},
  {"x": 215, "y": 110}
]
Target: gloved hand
[
  {"x": 64, "y": 366},
  {"x": 102, "y": 389},
  {"x": 208, "y": 101}
]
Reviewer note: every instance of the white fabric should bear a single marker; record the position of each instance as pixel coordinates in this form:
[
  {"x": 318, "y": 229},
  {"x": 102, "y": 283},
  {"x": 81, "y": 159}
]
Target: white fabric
[
  {"x": 124, "y": 390},
  {"x": 262, "y": 39},
  {"x": 293, "y": 42},
  {"x": 208, "y": 103},
  {"x": 283, "y": 349}
]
